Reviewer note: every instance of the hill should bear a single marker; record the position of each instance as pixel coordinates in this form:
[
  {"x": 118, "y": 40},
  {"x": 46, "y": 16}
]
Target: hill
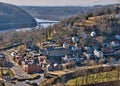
[
  {"x": 103, "y": 21},
  {"x": 12, "y": 17},
  {"x": 59, "y": 13}
]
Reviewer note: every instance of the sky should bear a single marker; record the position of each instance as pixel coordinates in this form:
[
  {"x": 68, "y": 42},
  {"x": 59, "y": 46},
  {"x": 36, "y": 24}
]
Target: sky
[{"x": 61, "y": 2}]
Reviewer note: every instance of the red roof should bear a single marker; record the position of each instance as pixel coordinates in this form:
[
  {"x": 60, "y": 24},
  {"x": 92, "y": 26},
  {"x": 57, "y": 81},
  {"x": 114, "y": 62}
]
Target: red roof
[{"x": 108, "y": 50}]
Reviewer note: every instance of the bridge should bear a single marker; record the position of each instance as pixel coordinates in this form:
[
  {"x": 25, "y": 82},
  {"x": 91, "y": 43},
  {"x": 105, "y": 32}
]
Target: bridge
[
  {"x": 51, "y": 22},
  {"x": 41, "y": 21}
]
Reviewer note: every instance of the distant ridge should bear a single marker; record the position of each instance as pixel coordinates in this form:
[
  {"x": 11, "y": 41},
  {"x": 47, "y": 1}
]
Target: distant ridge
[
  {"x": 62, "y": 12},
  {"x": 12, "y": 17}
]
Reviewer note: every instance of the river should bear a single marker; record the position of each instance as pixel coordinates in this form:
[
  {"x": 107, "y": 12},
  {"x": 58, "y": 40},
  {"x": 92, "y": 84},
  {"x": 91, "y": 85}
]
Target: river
[{"x": 44, "y": 23}]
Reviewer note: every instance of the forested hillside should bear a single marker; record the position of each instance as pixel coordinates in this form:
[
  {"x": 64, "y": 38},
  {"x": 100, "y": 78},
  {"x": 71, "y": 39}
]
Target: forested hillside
[
  {"x": 104, "y": 21},
  {"x": 59, "y": 13},
  {"x": 12, "y": 17}
]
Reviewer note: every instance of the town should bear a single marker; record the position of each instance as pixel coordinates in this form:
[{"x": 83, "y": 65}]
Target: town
[
  {"x": 80, "y": 50},
  {"x": 28, "y": 58}
]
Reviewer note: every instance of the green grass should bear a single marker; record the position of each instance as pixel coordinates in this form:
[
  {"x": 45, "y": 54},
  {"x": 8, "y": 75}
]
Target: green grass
[{"x": 95, "y": 78}]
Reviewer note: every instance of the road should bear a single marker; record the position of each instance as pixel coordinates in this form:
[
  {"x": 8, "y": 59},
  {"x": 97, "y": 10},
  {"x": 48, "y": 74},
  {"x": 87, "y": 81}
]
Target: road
[{"x": 19, "y": 73}]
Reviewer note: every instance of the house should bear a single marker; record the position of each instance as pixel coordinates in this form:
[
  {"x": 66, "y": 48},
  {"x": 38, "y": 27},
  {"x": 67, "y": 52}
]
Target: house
[
  {"x": 3, "y": 61},
  {"x": 88, "y": 49},
  {"x": 108, "y": 51},
  {"x": 75, "y": 39},
  {"x": 69, "y": 58},
  {"x": 93, "y": 34},
  {"x": 13, "y": 54},
  {"x": 98, "y": 54},
  {"x": 54, "y": 67},
  {"x": 78, "y": 46},
  {"x": 117, "y": 37},
  {"x": 73, "y": 48},
  {"x": 105, "y": 45},
  {"x": 43, "y": 62},
  {"x": 115, "y": 44},
  {"x": 18, "y": 59},
  {"x": 50, "y": 68},
  {"x": 42, "y": 59},
  {"x": 86, "y": 55},
  {"x": 65, "y": 58},
  {"x": 65, "y": 45}
]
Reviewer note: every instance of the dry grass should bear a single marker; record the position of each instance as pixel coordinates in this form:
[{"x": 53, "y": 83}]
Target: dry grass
[
  {"x": 10, "y": 72},
  {"x": 95, "y": 78}
]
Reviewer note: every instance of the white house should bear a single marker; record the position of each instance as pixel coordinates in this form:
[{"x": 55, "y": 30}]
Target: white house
[
  {"x": 93, "y": 34},
  {"x": 117, "y": 37},
  {"x": 88, "y": 49},
  {"x": 115, "y": 44},
  {"x": 98, "y": 54},
  {"x": 65, "y": 45},
  {"x": 75, "y": 39},
  {"x": 13, "y": 54}
]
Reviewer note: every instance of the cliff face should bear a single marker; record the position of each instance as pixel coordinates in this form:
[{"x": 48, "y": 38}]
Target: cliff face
[{"x": 12, "y": 17}]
